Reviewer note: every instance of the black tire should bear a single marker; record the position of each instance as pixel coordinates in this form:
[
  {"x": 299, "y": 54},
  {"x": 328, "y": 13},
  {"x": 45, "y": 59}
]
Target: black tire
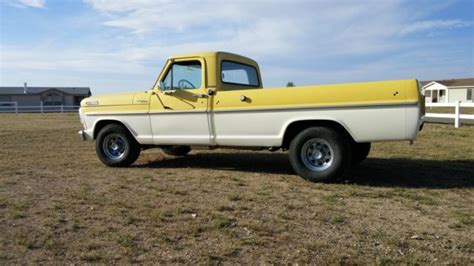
[
  {"x": 128, "y": 148},
  {"x": 360, "y": 151},
  {"x": 176, "y": 150},
  {"x": 330, "y": 154}
]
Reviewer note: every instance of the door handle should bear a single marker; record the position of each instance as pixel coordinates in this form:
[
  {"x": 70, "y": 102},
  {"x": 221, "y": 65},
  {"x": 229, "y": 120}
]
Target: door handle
[{"x": 243, "y": 98}]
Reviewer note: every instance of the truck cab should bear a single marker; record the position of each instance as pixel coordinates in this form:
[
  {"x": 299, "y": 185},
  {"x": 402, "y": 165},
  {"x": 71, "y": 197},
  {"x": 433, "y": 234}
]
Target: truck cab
[{"x": 189, "y": 87}]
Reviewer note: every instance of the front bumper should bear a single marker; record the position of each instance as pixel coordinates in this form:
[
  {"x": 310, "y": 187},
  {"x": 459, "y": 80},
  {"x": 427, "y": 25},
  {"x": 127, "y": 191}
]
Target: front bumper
[{"x": 85, "y": 135}]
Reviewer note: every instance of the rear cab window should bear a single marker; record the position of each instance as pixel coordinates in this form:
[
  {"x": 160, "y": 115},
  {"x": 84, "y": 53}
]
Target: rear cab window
[{"x": 239, "y": 74}]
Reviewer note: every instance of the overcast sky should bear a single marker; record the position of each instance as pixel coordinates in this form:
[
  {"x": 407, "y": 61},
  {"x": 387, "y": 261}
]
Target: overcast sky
[{"x": 121, "y": 45}]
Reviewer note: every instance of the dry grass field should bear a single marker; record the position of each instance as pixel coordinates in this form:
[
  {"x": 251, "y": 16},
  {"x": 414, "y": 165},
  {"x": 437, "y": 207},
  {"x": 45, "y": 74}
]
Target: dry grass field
[
  {"x": 58, "y": 203},
  {"x": 450, "y": 110}
]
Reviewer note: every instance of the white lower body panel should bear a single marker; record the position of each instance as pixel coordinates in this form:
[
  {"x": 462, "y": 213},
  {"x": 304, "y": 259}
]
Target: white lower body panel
[
  {"x": 181, "y": 128},
  {"x": 263, "y": 128},
  {"x": 137, "y": 124},
  {"x": 266, "y": 128}
]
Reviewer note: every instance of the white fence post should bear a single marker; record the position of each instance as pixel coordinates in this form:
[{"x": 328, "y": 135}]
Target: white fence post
[
  {"x": 16, "y": 107},
  {"x": 41, "y": 104},
  {"x": 456, "y": 114},
  {"x": 62, "y": 108}
]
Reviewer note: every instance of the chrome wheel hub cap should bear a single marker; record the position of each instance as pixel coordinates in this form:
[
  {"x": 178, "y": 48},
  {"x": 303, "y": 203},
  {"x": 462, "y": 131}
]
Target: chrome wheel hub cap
[
  {"x": 317, "y": 154},
  {"x": 114, "y": 146}
]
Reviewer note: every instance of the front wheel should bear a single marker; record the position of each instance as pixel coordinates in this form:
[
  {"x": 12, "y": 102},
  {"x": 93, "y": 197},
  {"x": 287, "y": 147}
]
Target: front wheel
[
  {"x": 320, "y": 154},
  {"x": 116, "y": 147}
]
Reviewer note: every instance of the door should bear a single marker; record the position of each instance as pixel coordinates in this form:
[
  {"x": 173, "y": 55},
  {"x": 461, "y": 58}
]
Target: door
[
  {"x": 236, "y": 117},
  {"x": 179, "y": 109}
]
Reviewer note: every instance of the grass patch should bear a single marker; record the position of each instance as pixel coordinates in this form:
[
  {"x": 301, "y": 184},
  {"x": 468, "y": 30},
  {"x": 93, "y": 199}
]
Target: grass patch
[
  {"x": 91, "y": 257},
  {"x": 463, "y": 220},
  {"x": 415, "y": 196},
  {"x": 224, "y": 223},
  {"x": 338, "y": 220},
  {"x": 332, "y": 199},
  {"x": 235, "y": 198},
  {"x": 226, "y": 209}
]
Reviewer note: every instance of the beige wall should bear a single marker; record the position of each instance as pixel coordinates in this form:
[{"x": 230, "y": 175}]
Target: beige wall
[
  {"x": 458, "y": 95},
  {"x": 451, "y": 94}
]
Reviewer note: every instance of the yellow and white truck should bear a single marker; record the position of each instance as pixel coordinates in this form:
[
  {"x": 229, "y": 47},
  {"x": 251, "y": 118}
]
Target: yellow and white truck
[{"x": 216, "y": 99}]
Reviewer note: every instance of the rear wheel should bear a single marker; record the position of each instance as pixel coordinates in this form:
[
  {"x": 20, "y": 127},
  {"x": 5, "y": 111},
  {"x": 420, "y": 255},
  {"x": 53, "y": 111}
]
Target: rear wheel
[
  {"x": 116, "y": 147},
  {"x": 176, "y": 150},
  {"x": 360, "y": 151},
  {"x": 320, "y": 154}
]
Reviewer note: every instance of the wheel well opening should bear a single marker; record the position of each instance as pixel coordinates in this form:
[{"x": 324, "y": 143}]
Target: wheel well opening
[
  {"x": 296, "y": 127},
  {"x": 101, "y": 124}
]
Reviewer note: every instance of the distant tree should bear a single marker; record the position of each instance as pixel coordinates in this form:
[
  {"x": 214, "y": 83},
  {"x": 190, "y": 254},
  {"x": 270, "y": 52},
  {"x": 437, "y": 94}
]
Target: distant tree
[{"x": 290, "y": 84}]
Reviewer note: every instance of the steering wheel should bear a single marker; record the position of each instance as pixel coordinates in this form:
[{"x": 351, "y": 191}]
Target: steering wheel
[{"x": 182, "y": 84}]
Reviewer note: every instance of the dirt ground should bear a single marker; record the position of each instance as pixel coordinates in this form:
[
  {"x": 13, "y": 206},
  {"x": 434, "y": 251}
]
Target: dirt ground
[
  {"x": 58, "y": 203},
  {"x": 450, "y": 110}
]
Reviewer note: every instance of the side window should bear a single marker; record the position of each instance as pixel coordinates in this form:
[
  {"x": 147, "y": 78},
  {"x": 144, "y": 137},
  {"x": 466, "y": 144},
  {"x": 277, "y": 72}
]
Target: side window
[
  {"x": 239, "y": 74},
  {"x": 183, "y": 75}
]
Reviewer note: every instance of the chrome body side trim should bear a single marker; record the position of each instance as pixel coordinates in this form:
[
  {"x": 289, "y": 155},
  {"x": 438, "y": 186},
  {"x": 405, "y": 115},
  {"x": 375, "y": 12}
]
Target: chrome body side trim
[{"x": 276, "y": 109}]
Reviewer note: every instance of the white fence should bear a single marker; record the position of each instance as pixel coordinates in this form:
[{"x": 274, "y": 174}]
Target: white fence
[
  {"x": 13, "y": 107},
  {"x": 457, "y": 116}
]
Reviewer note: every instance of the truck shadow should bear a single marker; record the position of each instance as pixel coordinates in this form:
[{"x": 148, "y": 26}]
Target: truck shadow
[
  {"x": 378, "y": 172},
  {"x": 416, "y": 173}
]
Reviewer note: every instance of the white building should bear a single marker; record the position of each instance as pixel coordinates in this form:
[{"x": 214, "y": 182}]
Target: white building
[{"x": 449, "y": 91}]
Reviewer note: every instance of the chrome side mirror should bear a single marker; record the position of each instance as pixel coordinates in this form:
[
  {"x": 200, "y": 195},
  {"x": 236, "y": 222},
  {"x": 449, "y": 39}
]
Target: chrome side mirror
[{"x": 150, "y": 91}]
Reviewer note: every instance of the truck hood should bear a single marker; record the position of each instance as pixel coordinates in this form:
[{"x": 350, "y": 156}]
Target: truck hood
[{"x": 124, "y": 98}]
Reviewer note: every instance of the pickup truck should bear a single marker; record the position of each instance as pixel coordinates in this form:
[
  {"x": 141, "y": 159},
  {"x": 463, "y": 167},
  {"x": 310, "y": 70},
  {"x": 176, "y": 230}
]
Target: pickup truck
[{"x": 216, "y": 99}]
